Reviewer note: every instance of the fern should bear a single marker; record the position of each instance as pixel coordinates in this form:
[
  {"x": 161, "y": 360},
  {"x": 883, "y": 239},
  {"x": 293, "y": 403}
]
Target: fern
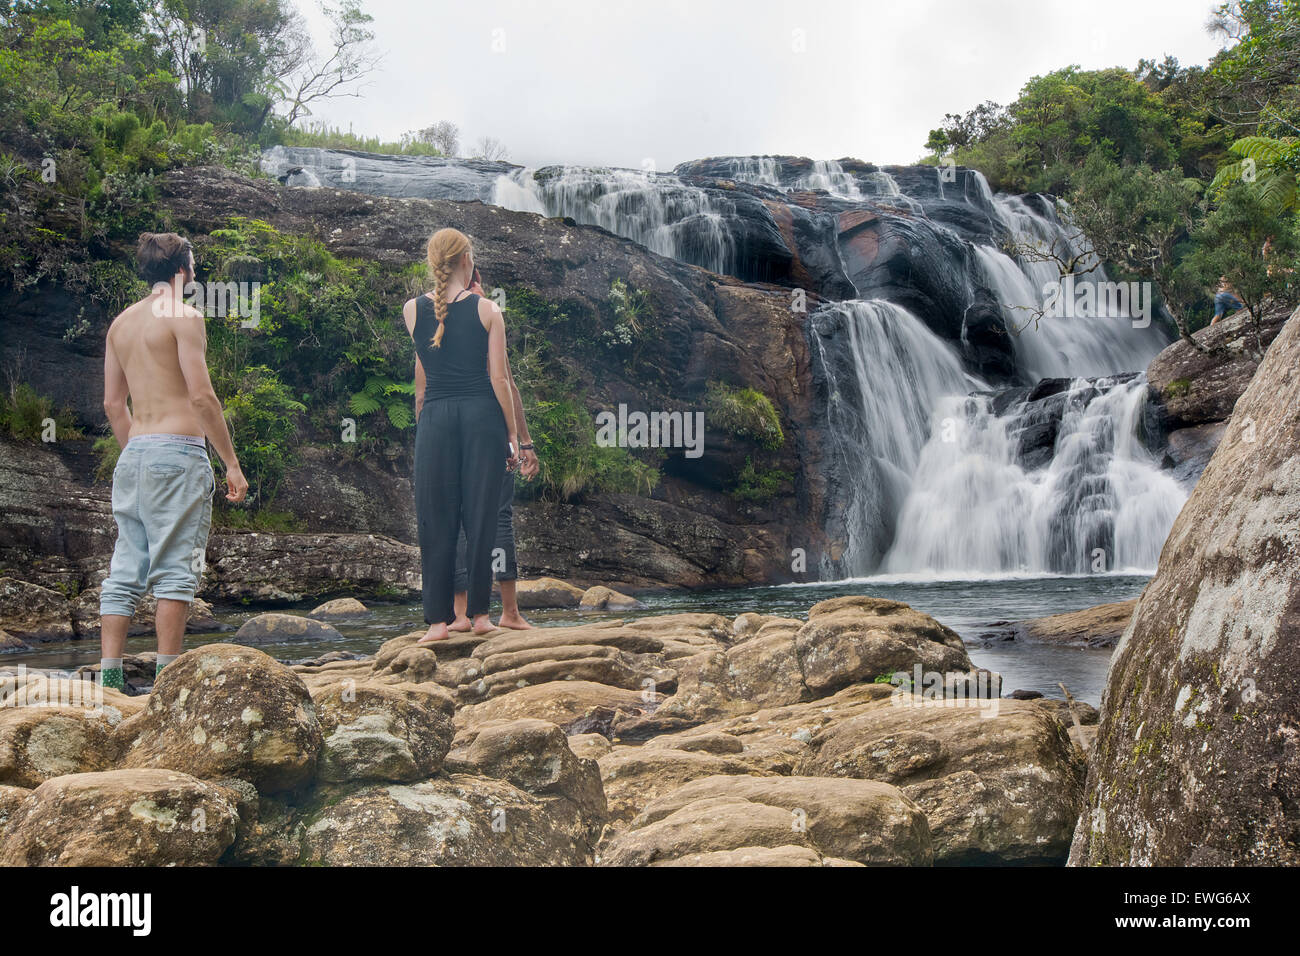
[
  {"x": 1272, "y": 164},
  {"x": 381, "y": 393}
]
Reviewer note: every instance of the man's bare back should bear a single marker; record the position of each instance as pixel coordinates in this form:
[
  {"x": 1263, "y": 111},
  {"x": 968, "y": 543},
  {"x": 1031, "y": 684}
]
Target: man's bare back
[
  {"x": 156, "y": 354},
  {"x": 143, "y": 340}
]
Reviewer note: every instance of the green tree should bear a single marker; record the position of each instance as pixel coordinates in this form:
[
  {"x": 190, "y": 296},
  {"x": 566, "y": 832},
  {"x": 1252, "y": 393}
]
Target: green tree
[
  {"x": 1253, "y": 245},
  {"x": 1256, "y": 79},
  {"x": 1140, "y": 219}
]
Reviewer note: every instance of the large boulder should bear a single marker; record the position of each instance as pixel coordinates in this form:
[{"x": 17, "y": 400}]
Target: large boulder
[
  {"x": 32, "y": 612},
  {"x": 547, "y": 593},
  {"x": 1197, "y": 755},
  {"x": 859, "y": 820},
  {"x": 340, "y": 609},
  {"x": 381, "y": 732},
  {"x": 227, "y": 711},
  {"x": 601, "y": 598},
  {"x": 782, "y": 661},
  {"x": 39, "y": 743},
  {"x": 274, "y": 628},
  {"x": 403, "y": 659},
  {"x": 762, "y": 670},
  {"x": 601, "y": 664},
  {"x": 1200, "y": 386},
  {"x": 535, "y": 756},
  {"x": 852, "y": 639},
  {"x": 1099, "y": 626},
  {"x": 634, "y": 776},
  {"x": 79, "y": 691},
  {"x": 122, "y": 818},
  {"x": 576, "y": 706},
  {"x": 999, "y": 780},
  {"x": 463, "y": 820}
]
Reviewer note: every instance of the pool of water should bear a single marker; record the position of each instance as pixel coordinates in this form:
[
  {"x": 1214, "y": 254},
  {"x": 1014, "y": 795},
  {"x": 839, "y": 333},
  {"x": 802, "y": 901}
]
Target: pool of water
[{"x": 974, "y": 608}]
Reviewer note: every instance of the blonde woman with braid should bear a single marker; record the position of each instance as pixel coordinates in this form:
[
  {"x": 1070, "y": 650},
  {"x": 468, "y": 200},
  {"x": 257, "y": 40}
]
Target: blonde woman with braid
[{"x": 465, "y": 435}]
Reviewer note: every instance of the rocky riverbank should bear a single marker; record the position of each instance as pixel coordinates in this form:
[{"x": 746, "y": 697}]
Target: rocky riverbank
[{"x": 687, "y": 739}]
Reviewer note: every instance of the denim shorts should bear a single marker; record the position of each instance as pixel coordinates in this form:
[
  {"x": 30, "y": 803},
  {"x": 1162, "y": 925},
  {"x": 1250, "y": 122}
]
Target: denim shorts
[{"x": 162, "y": 502}]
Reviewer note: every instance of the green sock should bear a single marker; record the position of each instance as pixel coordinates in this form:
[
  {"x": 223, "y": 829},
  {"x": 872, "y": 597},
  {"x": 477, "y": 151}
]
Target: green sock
[
  {"x": 110, "y": 673},
  {"x": 163, "y": 661}
]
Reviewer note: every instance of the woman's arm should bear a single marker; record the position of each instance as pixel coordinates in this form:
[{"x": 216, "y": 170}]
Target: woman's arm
[
  {"x": 408, "y": 313},
  {"x": 497, "y": 370}
]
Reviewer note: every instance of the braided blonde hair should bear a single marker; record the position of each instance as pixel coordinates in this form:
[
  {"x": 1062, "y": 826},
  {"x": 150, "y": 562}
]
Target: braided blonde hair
[{"x": 446, "y": 246}]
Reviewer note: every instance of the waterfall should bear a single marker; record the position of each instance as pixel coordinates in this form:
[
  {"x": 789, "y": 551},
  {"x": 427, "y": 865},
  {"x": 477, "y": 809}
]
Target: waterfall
[
  {"x": 881, "y": 387},
  {"x": 657, "y": 210},
  {"x": 1058, "y": 346},
  {"x": 1038, "y": 468},
  {"x": 829, "y": 175},
  {"x": 978, "y": 505}
]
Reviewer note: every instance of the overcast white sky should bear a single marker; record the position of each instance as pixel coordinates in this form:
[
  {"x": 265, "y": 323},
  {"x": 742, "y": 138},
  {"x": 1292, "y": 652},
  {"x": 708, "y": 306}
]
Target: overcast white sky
[{"x": 621, "y": 83}]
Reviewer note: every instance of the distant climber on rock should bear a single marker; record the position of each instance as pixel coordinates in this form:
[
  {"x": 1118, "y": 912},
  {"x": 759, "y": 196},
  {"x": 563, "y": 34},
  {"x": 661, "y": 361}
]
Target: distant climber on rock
[
  {"x": 155, "y": 355},
  {"x": 1225, "y": 300}
]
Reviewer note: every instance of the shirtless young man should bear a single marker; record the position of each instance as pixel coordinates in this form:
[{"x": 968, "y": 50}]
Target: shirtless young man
[{"x": 163, "y": 482}]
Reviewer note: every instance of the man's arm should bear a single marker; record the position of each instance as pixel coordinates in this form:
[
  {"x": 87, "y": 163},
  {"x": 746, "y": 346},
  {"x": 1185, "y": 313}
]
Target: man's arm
[
  {"x": 527, "y": 458},
  {"x": 115, "y": 393},
  {"x": 191, "y": 350}
]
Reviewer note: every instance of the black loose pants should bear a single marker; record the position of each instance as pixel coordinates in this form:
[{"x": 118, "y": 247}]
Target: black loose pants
[{"x": 460, "y": 462}]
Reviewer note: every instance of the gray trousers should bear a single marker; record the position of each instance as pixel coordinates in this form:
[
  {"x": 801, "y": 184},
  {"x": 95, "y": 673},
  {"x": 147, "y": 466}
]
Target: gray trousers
[
  {"x": 504, "y": 562},
  {"x": 460, "y": 456}
]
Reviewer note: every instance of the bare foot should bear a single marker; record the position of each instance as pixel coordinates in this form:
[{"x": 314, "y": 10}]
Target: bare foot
[
  {"x": 460, "y": 624},
  {"x": 436, "y": 632},
  {"x": 483, "y": 624},
  {"x": 514, "y": 621}
]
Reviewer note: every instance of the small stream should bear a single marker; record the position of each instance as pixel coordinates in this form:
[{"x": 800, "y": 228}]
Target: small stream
[{"x": 974, "y": 608}]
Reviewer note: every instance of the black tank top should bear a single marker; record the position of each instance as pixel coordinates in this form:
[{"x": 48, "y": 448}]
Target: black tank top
[{"x": 459, "y": 368}]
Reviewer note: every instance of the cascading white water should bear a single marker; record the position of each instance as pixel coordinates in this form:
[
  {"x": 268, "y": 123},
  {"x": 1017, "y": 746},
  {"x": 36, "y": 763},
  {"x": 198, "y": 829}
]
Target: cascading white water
[
  {"x": 880, "y": 419},
  {"x": 1059, "y": 346},
  {"x": 1101, "y": 503},
  {"x": 657, "y": 210},
  {"x": 829, "y": 175},
  {"x": 917, "y": 495},
  {"x": 762, "y": 170}
]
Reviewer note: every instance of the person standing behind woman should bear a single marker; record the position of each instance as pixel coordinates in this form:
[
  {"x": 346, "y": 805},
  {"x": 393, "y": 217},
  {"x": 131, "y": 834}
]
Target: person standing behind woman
[{"x": 465, "y": 434}]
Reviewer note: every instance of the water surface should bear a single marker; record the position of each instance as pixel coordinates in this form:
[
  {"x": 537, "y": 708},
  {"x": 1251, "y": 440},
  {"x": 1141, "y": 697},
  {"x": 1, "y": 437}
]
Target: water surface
[{"x": 976, "y": 609}]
